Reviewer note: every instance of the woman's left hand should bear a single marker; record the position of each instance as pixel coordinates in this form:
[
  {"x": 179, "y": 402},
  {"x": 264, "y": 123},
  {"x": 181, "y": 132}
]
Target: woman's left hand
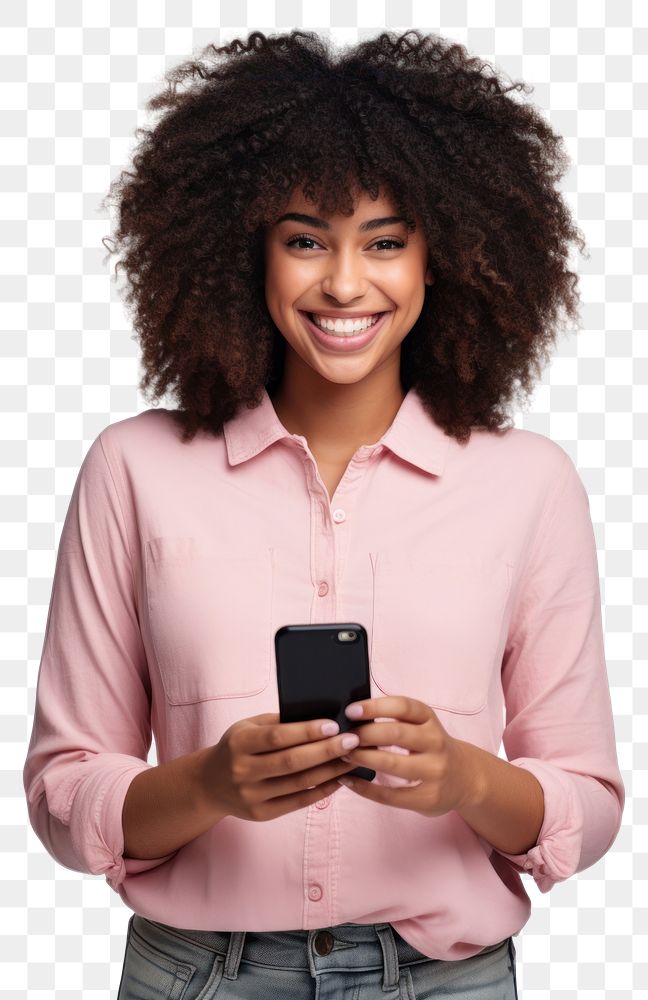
[{"x": 435, "y": 758}]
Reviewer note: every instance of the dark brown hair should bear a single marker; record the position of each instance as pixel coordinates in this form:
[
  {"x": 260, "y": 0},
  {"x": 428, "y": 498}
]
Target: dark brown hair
[{"x": 411, "y": 115}]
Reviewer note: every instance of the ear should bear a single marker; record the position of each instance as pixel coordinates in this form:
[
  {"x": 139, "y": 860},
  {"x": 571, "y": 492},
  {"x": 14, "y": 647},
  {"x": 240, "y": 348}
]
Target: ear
[{"x": 429, "y": 277}]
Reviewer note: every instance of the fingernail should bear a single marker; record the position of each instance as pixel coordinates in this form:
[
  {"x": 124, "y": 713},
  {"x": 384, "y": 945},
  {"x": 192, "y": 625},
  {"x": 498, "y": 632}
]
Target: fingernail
[
  {"x": 330, "y": 728},
  {"x": 350, "y": 740},
  {"x": 353, "y": 711},
  {"x": 345, "y": 781}
]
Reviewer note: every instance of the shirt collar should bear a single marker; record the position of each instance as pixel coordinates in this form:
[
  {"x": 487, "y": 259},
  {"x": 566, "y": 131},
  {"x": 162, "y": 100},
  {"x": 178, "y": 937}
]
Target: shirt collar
[{"x": 413, "y": 434}]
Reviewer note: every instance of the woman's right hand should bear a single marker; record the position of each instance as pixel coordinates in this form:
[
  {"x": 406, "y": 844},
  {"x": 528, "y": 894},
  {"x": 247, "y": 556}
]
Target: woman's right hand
[{"x": 262, "y": 768}]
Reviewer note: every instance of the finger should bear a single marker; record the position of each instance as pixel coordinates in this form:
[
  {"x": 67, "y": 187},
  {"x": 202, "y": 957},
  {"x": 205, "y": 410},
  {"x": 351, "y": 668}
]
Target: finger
[
  {"x": 266, "y": 734},
  {"x": 312, "y": 759},
  {"x": 410, "y": 767},
  {"x": 284, "y": 783},
  {"x": 393, "y": 733},
  {"x": 270, "y": 757},
  {"x": 282, "y": 804},
  {"x": 392, "y": 706}
]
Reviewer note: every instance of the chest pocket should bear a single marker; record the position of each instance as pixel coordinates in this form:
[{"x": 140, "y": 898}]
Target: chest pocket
[
  {"x": 437, "y": 624},
  {"x": 209, "y": 611}
]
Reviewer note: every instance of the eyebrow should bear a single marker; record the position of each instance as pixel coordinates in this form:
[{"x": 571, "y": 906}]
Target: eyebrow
[{"x": 310, "y": 220}]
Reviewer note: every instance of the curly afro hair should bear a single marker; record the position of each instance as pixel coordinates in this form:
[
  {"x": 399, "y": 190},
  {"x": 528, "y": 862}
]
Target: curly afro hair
[{"x": 411, "y": 115}]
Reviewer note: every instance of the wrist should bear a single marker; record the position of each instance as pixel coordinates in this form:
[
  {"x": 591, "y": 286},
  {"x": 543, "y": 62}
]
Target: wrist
[
  {"x": 471, "y": 779},
  {"x": 205, "y": 783}
]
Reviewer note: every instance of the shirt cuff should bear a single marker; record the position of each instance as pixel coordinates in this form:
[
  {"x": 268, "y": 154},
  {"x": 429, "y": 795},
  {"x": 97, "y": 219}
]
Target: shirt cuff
[
  {"x": 94, "y": 816},
  {"x": 557, "y": 852}
]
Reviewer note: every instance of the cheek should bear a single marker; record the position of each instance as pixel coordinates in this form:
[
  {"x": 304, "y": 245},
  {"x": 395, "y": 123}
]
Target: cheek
[
  {"x": 282, "y": 282},
  {"x": 407, "y": 280},
  {"x": 415, "y": 294}
]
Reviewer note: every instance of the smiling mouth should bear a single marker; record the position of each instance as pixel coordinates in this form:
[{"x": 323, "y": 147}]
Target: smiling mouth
[{"x": 374, "y": 318}]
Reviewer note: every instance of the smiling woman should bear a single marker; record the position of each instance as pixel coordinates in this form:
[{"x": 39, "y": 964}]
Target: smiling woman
[{"x": 343, "y": 333}]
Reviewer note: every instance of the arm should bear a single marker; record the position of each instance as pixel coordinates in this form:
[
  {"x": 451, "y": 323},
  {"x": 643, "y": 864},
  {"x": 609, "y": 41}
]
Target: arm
[
  {"x": 559, "y": 729},
  {"x": 505, "y": 804},
  {"x": 167, "y": 806},
  {"x": 91, "y": 733}
]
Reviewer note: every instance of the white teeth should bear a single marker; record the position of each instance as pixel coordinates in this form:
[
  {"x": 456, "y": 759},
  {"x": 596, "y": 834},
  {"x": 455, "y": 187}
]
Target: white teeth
[{"x": 344, "y": 327}]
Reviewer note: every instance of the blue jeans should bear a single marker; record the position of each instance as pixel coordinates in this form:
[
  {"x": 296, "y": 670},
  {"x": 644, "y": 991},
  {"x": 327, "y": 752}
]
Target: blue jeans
[{"x": 345, "y": 962}]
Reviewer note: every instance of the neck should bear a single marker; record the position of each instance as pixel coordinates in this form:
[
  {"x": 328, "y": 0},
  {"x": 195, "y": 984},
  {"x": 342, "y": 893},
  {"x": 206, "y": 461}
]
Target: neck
[{"x": 337, "y": 418}]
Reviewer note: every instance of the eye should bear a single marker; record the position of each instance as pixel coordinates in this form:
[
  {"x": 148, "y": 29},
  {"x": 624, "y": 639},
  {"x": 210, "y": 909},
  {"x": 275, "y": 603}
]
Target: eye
[
  {"x": 299, "y": 239},
  {"x": 396, "y": 244}
]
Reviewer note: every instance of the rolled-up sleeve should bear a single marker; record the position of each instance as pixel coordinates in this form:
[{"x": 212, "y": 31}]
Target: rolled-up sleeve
[
  {"x": 91, "y": 732},
  {"x": 559, "y": 720}
]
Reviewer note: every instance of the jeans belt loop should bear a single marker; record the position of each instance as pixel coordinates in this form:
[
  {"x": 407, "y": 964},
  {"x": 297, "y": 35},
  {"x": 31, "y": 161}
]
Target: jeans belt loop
[
  {"x": 390, "y": 956},
  {"x": 234, "y": 952}
]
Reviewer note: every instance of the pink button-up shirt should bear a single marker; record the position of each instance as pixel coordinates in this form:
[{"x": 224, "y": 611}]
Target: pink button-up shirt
[{"x": 474, "y": 571}]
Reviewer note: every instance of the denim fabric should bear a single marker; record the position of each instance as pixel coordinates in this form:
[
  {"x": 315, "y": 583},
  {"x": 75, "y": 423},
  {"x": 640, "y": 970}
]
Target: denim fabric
[{"x": 354, "y": 961}]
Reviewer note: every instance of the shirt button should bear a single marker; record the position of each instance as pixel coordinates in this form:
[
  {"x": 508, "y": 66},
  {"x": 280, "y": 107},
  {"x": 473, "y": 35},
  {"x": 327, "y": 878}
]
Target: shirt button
[
  {"x": 322, "y": 590},
  {"x": 339, "y": 515},
  {"x": 315, "y": 892},
  {"x": 528, "y": 864},
  {"x": 323, "y": 803}
]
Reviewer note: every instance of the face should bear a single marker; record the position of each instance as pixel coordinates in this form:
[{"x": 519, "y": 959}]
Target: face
[{"x": 364, "y": 266}]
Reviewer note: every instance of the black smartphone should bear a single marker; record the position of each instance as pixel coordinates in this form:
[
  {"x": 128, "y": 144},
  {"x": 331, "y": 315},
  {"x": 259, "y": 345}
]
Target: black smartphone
[{"x": 321, "y": 669}]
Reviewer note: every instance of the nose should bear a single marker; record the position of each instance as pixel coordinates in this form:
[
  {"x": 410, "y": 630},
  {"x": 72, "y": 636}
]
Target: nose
[{"x": 345, "y": 278}]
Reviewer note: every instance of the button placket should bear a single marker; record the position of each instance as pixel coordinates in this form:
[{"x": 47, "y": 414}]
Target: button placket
[
  {"x": 329, "y": 540},
  {"x": 317, "y": 863}
]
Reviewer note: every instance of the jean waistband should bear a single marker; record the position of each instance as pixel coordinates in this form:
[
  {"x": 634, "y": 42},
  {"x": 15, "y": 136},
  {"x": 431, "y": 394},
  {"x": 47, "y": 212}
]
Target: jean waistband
[{"x": 295, "y": 949}]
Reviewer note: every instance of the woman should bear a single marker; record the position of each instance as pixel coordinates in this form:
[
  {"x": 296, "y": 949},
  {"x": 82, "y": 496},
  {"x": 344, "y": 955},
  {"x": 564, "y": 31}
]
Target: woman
[{"x": 344, "y": 268}]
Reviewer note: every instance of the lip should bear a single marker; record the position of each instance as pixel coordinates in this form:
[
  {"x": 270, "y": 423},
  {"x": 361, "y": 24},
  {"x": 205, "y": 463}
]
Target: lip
[
  {"x": 342, "y": 315},
  {"x": 342, "y": 345}
]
